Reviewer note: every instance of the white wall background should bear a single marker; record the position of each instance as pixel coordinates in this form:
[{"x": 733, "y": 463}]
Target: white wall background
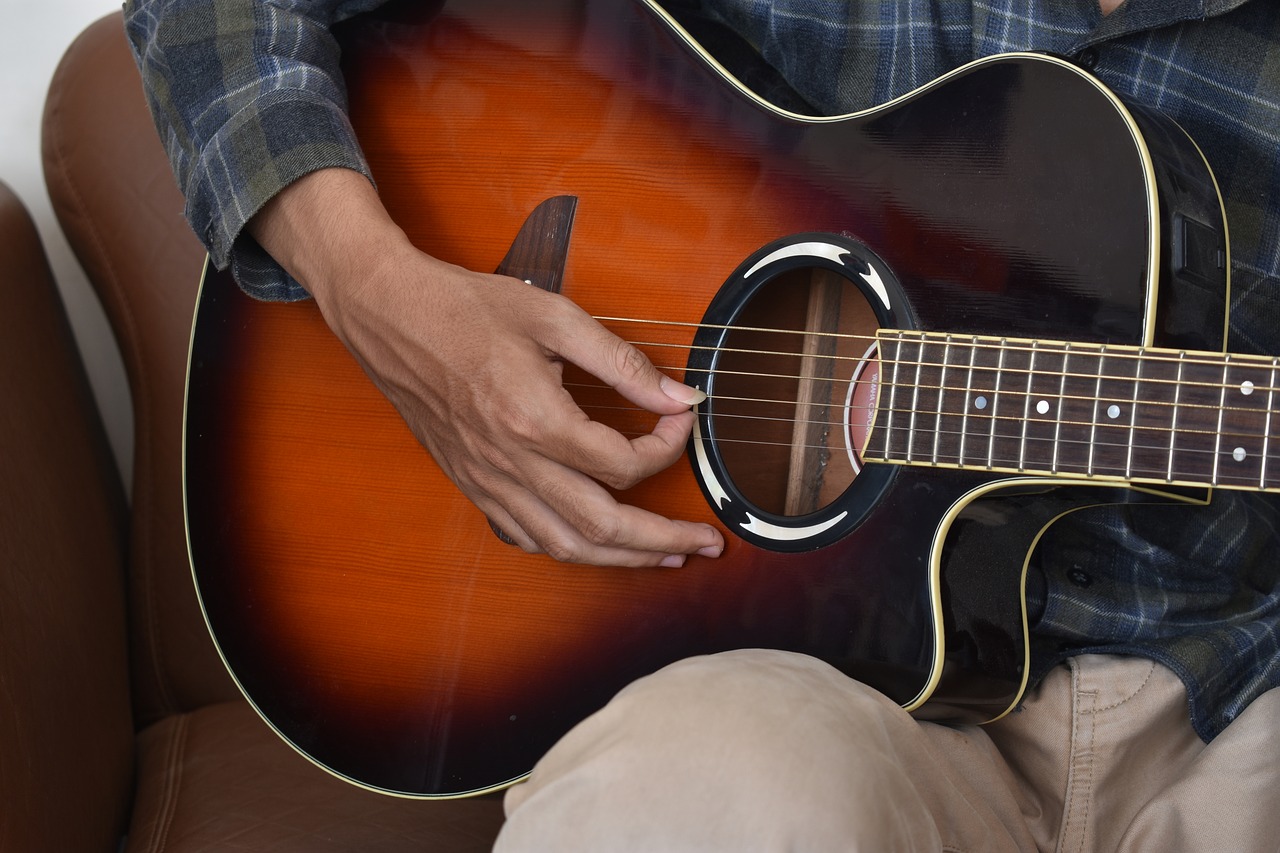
[{"x": 33, "y": 36}]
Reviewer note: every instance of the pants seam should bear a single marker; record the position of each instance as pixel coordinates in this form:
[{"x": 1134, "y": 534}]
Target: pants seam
[
  {"x": 1080, "y": 766},
  {"x": 1151, "y": 671}
]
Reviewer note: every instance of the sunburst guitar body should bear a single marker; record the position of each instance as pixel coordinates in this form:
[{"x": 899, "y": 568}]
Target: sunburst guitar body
[{"x": 946, "y": 321}]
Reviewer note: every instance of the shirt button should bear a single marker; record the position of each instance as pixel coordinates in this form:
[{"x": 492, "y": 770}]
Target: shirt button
[
  {"x": 1087, "y": 58},
  {"x": 1079, "y": 577}
]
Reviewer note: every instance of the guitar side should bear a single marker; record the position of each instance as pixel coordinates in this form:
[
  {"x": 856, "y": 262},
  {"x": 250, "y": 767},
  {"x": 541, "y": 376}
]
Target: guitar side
[{"x": 369, "y": 612}]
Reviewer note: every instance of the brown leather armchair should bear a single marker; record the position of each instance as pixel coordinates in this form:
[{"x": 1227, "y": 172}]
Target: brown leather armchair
[{"x": 117, "y": 718}]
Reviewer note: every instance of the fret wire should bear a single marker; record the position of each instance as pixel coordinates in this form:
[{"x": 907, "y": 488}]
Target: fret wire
[
  {"x": 1222, "y": 402},
  {"x": 893, "y": 389},
  {"x": 915, "y": 403},
  {"x": 942, "y": 387},
  {"x": 1026, "y": 408},
  {"x": 1062, "y": 396},
  {"x": 1133, "y": 417},
  {"x": 1266, "y": 429},
  {"x": 1097, "y": 397},
  {"x": 968, "y": 392},
  {"x": 995, "y": 402},
  {"x": 1173, "y": 425}
]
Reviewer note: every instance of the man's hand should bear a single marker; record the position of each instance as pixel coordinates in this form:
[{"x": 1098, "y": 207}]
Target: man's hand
[{"x": 473, "y": 363}]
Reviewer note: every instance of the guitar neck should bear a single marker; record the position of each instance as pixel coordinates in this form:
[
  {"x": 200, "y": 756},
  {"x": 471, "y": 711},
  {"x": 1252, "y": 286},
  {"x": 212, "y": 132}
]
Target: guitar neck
[{"x": 1057, "y": 408}]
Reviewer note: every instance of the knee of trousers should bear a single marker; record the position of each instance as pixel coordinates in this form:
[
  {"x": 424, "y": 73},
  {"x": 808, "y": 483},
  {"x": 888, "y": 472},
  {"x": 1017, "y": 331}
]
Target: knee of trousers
[
  {"x": 767, "y": 674},
  {"x": 768, "y": 698},
  {"x": 738, "y": 745}
]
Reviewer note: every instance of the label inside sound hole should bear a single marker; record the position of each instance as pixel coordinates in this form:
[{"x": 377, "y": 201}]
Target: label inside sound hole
[{"x": 860, "y": 405}]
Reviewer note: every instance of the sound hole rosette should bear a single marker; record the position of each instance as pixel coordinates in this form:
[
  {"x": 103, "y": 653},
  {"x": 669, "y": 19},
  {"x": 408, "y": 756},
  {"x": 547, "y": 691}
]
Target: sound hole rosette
[{"x": 726, "y": 474}]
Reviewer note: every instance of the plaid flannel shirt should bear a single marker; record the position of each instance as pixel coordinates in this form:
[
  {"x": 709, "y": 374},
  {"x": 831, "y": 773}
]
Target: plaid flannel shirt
[{"x": 247, "y": 97}]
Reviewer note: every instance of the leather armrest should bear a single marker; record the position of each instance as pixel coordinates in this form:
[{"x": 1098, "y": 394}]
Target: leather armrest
[{"x": 66, "y": 732}]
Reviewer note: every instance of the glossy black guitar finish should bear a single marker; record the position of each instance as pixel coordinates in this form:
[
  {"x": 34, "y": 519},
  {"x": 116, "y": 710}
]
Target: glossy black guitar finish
[{"x": 380, "y": 626}]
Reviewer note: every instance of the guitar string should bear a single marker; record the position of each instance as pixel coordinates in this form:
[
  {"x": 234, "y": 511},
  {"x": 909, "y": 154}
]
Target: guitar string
[
  {"x": 981, "y": 417},
  {"x": 1124, "y": 352},
  {"x": 1181, "y": 405},
  {"x": 1155, "y": 470},
  {"x": 1011, "y": 371},
  {"x": 1162, "y": 448},
  {"x": 1015, "y": 372},
  {"x": 978, "y": 343},
  {"x": 1139, "y": 470},
  {"x": 1189, "y": 358},
  {"x": 1021, "y": 394}
]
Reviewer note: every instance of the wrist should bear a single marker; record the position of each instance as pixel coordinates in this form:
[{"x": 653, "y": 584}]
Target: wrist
[{"x": 328, "y": 230}]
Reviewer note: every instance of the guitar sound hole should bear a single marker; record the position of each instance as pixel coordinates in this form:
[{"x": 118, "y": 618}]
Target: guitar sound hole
[{"x": 788, "y": 418}]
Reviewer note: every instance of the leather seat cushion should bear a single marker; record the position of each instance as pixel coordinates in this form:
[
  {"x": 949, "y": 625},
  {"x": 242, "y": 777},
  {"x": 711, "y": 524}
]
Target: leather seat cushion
[{"x": 219, "y": 778}]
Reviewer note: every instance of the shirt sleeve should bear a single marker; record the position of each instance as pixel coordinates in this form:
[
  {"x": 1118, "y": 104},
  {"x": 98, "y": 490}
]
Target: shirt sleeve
[{"x": 248, "y": 97}]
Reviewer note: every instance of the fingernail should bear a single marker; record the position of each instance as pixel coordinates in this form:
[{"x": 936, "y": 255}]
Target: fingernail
[
  {"x": 681, "y": 393},
  {"x": 675, "y": 561},
  {"x": 711, "y": 551}
]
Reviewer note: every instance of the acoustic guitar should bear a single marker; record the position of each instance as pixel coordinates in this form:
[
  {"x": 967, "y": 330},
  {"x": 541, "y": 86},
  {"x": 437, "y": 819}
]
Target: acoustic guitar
[{"x": 926, "y": 331}]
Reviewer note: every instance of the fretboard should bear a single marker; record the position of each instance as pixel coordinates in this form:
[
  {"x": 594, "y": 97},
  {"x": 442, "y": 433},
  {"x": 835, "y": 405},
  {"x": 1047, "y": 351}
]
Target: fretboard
[{"x": 1055, "y": 408}]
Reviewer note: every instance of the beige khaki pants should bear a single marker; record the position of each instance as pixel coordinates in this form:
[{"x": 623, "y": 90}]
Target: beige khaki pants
[{"x": 771, "y": 751}]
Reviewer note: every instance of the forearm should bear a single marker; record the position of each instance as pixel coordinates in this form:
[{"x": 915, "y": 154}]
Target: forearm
[{"x": 247, "y": 98}]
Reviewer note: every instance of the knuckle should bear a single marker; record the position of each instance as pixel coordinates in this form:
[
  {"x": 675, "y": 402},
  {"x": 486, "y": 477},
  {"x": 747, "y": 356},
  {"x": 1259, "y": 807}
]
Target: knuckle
[
  {"x": 629, "y": 362},
  {"x": 490, "y": 462},
  {"x": 601, "y": 529},
  {"x": 524, "y": 427},
  {"x": 560, "y": 550},
  {"x": 476, "y": 461},
  {"x": 622, "y": 475}
]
